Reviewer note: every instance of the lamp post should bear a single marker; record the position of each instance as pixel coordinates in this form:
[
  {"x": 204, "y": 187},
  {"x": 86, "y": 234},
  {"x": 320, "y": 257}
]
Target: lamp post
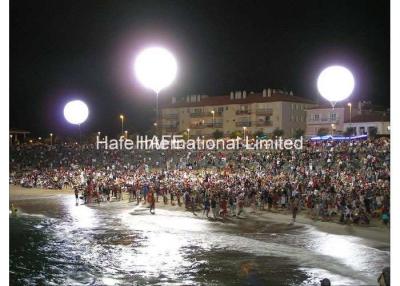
[
  {"x": 51, "y": 139},
  {"x": 126, "y": 134},
  {"x": 333, "y": 128},
  {"x": 349, "y": 105},
  {"x": 244, "y": 132},
  {"x": 122, "y": 124},
  {"x": 213, "y": 115},
  {"x": 156, "y": 69},
  {"x": 11, "y": 138},
  {"x": 188, "y": 133}
]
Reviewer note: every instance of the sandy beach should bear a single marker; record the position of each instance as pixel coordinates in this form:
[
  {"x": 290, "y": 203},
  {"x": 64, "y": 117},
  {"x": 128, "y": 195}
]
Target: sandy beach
[{"x": 375, "y": 231}]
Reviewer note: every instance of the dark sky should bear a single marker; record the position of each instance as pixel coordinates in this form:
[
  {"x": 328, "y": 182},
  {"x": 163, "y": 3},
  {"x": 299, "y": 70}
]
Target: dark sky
[{"x": 62, "y": 50}]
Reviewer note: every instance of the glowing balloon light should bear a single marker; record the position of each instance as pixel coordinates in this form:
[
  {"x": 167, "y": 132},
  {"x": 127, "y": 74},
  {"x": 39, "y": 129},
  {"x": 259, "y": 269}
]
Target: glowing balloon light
[
  {"x": 76, "y": 112},
  {"x": 335, "y": 83},
  {"x": 155, "y": 68}
]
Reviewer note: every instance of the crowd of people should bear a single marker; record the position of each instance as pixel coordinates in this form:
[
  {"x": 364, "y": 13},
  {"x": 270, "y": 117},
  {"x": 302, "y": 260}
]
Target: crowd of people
[{"x": 347, "y": 181}]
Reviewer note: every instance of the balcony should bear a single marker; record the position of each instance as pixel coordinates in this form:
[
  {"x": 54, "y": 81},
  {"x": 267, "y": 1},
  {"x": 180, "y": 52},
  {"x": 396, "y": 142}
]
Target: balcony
[
  {"x": 243, "y": 124},
  {"x": 263, "y": 123},
  {"x": 169, "y": 128},
  {"x": 169, "y": 116},
  {"x": 264, "y": 111},
  {"x": 215, "y": 125},
  {"x": 324, "y": 120},
  {"x": 243, "y": 112},
  {"x": 205, "y": 114},
  {"x": 197, "y": 114},
  {"x": 206, "y": 125}
]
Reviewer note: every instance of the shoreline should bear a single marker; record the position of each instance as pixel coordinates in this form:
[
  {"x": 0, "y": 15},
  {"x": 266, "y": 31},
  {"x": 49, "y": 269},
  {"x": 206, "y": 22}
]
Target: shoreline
[{"x": 375, "y": 232}]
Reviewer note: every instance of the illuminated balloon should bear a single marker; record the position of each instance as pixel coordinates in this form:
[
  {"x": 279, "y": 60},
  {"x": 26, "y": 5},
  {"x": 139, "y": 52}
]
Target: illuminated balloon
[
  {"x": 155, "y": 68},
  {"x": 335, "y": 83},
  {"x": 76, "y": 112}
]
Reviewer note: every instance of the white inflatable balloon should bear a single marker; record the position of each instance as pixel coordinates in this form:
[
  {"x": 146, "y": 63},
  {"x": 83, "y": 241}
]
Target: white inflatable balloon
[
  {"x": 335, "y": 83},
  {"x": 76, "y": 112},
  {"x": 156, "y": 68}
]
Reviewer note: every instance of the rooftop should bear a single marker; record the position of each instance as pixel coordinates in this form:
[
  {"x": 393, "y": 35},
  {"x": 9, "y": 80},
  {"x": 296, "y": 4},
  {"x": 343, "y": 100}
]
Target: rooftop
[
  {"x": 249, "y": 98},
  {"x": 370, "y": 117}
]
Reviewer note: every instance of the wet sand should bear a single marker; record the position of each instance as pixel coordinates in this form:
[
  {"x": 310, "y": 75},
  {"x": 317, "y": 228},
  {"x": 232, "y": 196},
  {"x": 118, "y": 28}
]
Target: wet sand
[{"x": 375, "y": 231}]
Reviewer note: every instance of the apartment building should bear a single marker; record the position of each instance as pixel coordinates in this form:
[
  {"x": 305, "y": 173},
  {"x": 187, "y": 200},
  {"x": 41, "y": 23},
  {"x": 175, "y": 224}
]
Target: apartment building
[{"x": 238, "y": 111}]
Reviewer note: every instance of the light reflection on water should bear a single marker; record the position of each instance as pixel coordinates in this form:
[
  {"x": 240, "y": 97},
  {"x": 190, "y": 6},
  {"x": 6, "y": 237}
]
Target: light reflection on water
[{"x": 110, "y": 244}]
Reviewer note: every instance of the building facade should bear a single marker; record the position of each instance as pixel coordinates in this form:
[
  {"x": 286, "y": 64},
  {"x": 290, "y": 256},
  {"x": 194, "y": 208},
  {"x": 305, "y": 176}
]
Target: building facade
[
  {"x": 361, "y": 116},
  {"x": 239, "y": 111},
  {"x": 327, "y": 120},
  {"x": 377, "y": 123}
]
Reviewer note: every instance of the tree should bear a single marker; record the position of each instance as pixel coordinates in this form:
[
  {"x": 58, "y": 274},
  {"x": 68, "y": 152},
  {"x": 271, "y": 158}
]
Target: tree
[
  {"x": 323, "y": 131},
  {"x": 372, "y": 132},
  {"x": 185, "y": 135},
  {"x": 259, "y": 134},
  {"x": 277, "y": 132},
  {"x": 236, "y": 134},
  {"x": 217, "y": 134},
  {"x": 298, "y": 133},
  {"x": 348, "y": 132}
]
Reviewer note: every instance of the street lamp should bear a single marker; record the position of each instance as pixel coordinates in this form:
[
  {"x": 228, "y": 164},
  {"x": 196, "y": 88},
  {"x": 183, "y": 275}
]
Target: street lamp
[
  {"x": 333, "y": 128},
  {"x": 156, "y": 69},
  {"x": 349, "y": 105},
  {"x": 335, "y": 83},
  {"x": 76, "y": 112},
  {"x": 126, "y": 134},
  {"x": 51, "y": 139},
  {"x": 213, "y": 115},
  {"x": 244, "y": 132},
  {"x": 122, "y": 124},
  {"x": 188, "y": 133}
]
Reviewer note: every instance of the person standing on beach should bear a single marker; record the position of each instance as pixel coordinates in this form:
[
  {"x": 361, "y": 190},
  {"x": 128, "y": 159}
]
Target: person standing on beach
[
  {"x": 214, "y": 207},
  {"x": 206, "y": 206},
  {"x": 76, "y": 191},
  {"x": 240, "y": 205},
  {"x": 152, "y": 201},
  {"x": 295, "y": 207}
]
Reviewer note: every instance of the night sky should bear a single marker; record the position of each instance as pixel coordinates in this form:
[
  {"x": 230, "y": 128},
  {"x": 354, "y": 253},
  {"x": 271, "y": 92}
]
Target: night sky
[{"x": 62, "y": 50}]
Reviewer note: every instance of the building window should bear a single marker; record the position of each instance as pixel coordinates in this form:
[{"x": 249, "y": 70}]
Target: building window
[
  {"x": 315, "y": 117},
  {"x": 333, "y": 116},
  {"x": 226, "y": 108}
]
